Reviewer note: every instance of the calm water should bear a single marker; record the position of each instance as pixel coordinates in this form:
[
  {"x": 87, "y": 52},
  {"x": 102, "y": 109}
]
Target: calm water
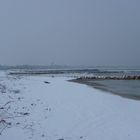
[{"x": 124, "y": 87}]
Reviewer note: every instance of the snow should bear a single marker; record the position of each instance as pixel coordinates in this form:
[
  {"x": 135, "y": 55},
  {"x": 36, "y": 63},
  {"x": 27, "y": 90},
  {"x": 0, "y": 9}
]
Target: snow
[{"x": 63, "y": 110}]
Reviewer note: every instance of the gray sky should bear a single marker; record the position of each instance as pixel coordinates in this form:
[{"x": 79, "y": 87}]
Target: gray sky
[{"x": 72, "y": 32}]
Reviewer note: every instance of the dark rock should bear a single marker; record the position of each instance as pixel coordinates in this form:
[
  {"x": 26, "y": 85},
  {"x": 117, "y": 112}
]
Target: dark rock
[{"x": 46, "y": 82}]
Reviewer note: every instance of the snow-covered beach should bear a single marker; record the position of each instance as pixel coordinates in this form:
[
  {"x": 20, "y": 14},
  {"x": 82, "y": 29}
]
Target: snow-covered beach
[{"x": 51, "y": 108}]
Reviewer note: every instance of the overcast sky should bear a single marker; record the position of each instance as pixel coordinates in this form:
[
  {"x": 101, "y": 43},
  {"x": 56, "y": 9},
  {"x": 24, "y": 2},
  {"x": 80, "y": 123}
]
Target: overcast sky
[{"x": 72, "y": 32}]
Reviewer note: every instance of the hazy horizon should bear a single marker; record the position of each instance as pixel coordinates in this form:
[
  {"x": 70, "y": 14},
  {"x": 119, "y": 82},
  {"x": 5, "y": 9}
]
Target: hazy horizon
[{"x": 73, "y": 33}]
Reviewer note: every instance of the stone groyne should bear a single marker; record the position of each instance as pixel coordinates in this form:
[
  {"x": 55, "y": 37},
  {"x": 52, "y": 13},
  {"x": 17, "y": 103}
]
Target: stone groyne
[{"x": 108, "y": 78}]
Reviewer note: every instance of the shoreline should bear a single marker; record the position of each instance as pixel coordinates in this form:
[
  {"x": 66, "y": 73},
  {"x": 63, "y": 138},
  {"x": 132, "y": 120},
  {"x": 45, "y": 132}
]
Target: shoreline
[{"x": 104, "y": 88}]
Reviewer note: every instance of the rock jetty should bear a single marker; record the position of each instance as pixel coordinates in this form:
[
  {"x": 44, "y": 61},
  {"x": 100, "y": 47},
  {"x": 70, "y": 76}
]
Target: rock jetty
[{"x": 108, "y": 78}]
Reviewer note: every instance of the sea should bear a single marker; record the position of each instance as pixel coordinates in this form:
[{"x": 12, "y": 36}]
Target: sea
[{"x": 125, "y": 88}]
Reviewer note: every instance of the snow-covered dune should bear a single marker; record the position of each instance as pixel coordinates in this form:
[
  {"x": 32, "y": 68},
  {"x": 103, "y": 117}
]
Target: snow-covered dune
[{"x": 62, "y": 110}]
